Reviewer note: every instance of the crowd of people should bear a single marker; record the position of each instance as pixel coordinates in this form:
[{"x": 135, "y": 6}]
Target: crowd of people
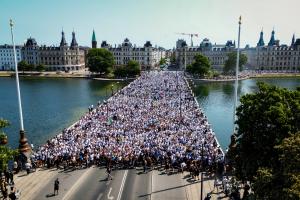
[{"x": 153, "y": 120}]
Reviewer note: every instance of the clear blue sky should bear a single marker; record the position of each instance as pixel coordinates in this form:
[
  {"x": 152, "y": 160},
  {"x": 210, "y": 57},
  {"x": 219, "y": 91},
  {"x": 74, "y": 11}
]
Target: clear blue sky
[{"x": 154, "y": 20}]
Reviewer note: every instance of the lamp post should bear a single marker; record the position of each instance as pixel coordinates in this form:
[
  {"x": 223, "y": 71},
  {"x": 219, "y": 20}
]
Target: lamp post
[
  {"x": 201, "y": 191},
  {"x": 118, "y": 86},
  {"x": 23, "y": 144},
  {"x": 184, "y": 59},
  {"x": 237, "y": 76},
  {"x": 112, "y": 89}
]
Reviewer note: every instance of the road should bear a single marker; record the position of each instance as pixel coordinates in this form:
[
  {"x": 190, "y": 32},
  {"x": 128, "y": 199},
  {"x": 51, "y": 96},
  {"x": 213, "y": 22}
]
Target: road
[{"x": 129, "y": 184}]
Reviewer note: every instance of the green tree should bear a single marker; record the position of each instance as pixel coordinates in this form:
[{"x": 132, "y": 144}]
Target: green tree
[
  {"x": 201, "y": 66},
  {"x": 173, "y": 58},
  {"x": 230, "y": 63},
  {"x": 30, "y": 67},
  {"x": 163, "y": 61},
  {"x": 131, "y": 69},
  {"x": 6, "y": 153},
  {"x": 281, "y": 182},
  {"x": 266, "y": 148},
  {"x": 120, "y": 71},
  {"x": 264, "y": 120},
  {"x": 23, "y": 66},
  {"x": 100, "y": 60},
  {"x": 40, "y": 68}
]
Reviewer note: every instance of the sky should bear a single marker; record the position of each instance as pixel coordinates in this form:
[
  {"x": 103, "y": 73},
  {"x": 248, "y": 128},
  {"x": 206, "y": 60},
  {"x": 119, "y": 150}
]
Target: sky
[{"x": 159, "y": 21}]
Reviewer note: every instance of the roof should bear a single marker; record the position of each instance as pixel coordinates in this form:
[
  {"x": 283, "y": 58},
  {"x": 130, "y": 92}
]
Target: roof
[
  {"x": 30, "y": 42},
  {"x": 94, "y": 37}
]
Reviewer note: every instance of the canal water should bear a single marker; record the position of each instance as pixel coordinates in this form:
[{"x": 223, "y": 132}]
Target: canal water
[{"x": 49, "y": 105}]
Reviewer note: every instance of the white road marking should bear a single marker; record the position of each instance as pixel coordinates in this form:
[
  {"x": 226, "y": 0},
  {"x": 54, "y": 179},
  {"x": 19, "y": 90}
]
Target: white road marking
[
  {"x": 108, "y": 195},
  {"x": 122, "y": 185},
  {"x": 99, "y": 197},
  {"x": 77, "y": 184}
]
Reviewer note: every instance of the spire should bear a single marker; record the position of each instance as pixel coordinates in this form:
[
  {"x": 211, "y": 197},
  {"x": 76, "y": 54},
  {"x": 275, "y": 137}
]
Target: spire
[
  {"x": 94, "y": 41},
  {"x": 293, "y": 40},
  {"x": 272, "y": 40},
  {"x": 63, "y": 40},
  {"x": 94, "y": 36},
  {"x": 261, "y": 42},
  {"x": 74, "y": 42}
]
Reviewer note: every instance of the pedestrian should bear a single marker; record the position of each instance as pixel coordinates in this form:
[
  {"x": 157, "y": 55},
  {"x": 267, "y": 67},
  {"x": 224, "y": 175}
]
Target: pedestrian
[
  {"x": 145, "y": 165},
  {"x": 12, "y": 194},
  {"x": 16, "y": 167},
  {"x": 56, "y": 186},
  {"x": 108, "y": 171},
  {"x": 28, "y": 167}
]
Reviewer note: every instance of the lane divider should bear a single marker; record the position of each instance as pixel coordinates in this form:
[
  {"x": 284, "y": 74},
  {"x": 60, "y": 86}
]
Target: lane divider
[
  {"x": 122, "y": 185},
  {"x": 77, "y": 184}
]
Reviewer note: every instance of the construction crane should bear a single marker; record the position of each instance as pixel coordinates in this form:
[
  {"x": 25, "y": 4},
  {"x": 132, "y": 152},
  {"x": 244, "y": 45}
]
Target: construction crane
[{"x": 189, "y": 34}]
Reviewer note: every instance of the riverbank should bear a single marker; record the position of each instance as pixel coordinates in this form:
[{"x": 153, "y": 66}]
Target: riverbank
[
  {"x": 87, "y": 75},
  {"x": 81, "y": 74},
  {"x": 249, "y": 76}
]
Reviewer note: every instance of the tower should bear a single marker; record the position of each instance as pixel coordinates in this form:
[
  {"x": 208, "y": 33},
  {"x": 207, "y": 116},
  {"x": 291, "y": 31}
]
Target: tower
[
  {"x": 74, "y": 42},
  {"x": 63, "y": 42},
  {"x": 261, "y": 42},
  {"x": 293, "y": 40},
  {"x": 272, "y": 40},
  {"x": 94, "y": 41}
]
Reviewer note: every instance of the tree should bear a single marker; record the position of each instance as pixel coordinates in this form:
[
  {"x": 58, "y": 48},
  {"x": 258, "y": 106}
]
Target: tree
[
  {"x": 163, "y": 61},
  {"x": 23, "y": 66},
  {"x": 131, "y": 69},
  {"x": 6, "y": 153},
  {"x": 173, "y": 58},
  {"x": 100, "y": 60},
  {"x": 283, "y": 181},
  {"x": 262, "y": 153},
  {"x": 200, "y": 66},
  {"x": 230, "y": 63},
  {"x": 30, "y": 67},
  {"x": 40, "y": 68},
  {"x": 264, "y": 120}
]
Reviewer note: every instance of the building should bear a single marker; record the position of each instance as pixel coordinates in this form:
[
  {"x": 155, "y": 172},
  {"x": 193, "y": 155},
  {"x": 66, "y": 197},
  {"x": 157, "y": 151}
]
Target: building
[
  {"x": 216, "y": 53},
  {"x": 55, "y": 58},
  {"x": 7, "y": 59},
  {"x": 273, "y": 56},
  {"x": 147, "y": 56},
  {"x": 30, "y": 52}
]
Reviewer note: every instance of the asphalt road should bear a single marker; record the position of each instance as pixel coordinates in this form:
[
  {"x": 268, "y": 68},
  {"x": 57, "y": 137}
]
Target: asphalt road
[
  {"x": 126, "y": 184},
  {"x": 129, "y": 184}
]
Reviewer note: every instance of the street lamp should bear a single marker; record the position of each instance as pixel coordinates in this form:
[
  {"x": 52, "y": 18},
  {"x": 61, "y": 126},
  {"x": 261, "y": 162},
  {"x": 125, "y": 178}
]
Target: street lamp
[
  {"x": 201, "y": 191},
  {"x": 118, "y": 86},
  {"x": 24, "y": 147},
  {"x": 112, "y": 89}
]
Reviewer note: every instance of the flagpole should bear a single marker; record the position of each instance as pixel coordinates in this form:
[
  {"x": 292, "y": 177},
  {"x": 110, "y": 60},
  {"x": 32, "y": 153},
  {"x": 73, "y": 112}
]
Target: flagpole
[
  {"x": 17, "y": 76},
  {"x": 23, "y": 144},
  {"x": 237, "y": 76}
]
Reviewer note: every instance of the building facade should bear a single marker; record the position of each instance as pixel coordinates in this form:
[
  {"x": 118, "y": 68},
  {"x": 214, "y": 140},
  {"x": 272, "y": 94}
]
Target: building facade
[
  {"x": 216, "y": 53},
  {"x": 7, "y": 59},
  {"x": 30, "y": 52},
  {"x": 147, "y": 56},
  {"x": 60, "y": 58},
  {"x": 273, "y": 56}
]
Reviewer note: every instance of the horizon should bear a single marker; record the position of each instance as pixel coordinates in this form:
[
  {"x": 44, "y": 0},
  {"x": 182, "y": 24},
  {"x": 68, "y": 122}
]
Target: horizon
[{"x": 155, "y": 21}]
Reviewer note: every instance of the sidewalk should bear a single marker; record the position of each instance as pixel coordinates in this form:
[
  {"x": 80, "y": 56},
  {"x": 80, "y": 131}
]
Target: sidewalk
[
  {"x": 181, "y": 186},
  {"x": 40, "y": 184}
]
